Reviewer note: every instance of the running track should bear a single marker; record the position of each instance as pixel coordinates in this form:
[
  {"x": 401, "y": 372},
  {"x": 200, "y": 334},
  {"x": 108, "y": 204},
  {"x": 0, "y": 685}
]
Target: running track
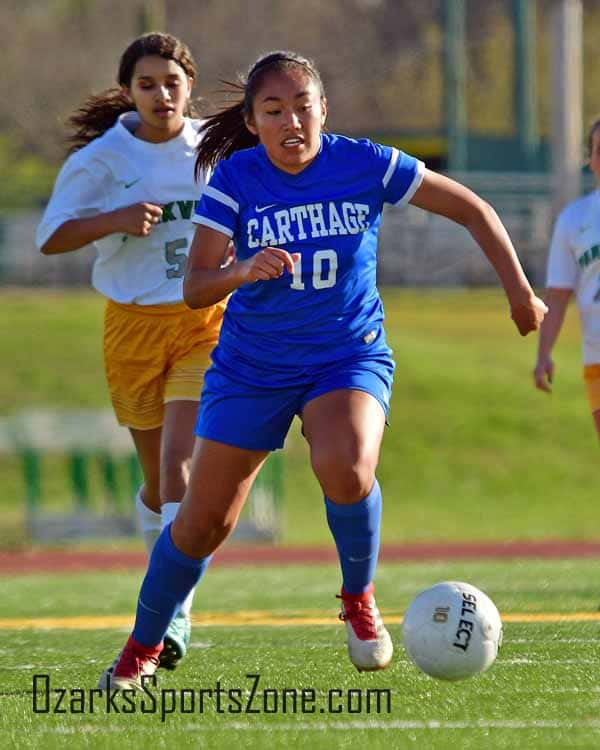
[{"x": 60, "y": 560}]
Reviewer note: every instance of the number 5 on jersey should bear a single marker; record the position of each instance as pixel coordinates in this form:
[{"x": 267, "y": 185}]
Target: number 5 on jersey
[
  {"x": 323, "y": 261},
  {"x": 175, "y": 261}
]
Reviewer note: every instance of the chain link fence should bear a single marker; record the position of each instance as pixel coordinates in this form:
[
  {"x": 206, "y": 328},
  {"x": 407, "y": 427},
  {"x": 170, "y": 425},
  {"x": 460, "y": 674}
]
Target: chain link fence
[{"x": 416, "y": 248}]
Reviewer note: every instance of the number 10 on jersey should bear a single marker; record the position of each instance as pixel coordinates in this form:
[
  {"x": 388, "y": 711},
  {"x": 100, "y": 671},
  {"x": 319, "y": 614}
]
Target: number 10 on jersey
[{"x": 325, "y": 265}]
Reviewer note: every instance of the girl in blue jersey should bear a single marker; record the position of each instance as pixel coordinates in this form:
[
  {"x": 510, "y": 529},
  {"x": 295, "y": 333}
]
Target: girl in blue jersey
[{"x": 302, "y": 334}]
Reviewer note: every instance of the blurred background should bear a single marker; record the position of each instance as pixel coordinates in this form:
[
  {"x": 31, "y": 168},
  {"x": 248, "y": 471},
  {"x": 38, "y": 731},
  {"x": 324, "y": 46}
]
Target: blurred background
[{"x": 497, "y": 93}]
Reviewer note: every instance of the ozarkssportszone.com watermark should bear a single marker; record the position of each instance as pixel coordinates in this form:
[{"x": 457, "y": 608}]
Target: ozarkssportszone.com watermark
[{"x": 251, "y": 699}]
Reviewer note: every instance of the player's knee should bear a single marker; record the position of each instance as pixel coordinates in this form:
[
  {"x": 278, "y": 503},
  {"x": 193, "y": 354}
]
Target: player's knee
[
  {"x": 174, "y": 477},
  {"x": 204, "y": 533},
  {"x": 344, "y": 476},
  {"x": 351, "y": 487}
]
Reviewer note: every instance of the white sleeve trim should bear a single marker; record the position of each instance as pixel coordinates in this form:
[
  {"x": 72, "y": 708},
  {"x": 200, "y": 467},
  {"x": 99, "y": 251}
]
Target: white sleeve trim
[
  {"x": 222, "y": 198},
  {"x": 212, "y": 225},
  {"x": 414, "y": 185},
  {"x": 391, "y": 166}
]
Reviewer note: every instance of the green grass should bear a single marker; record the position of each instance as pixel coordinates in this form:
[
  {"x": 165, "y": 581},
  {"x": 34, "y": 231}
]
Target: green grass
[
  {"x": 543, "y": 691},
  {"x": 51, "y": 344},
  {"x": 473, "y": 451}
]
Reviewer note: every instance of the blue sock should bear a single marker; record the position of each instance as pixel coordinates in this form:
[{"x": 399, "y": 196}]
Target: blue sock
[
  {"x": 355, "y": 529},
  {"x": 170, "y": 577}
]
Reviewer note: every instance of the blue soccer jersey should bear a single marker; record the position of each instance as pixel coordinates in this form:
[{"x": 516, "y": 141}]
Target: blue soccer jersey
[{"x": 329, "y": 309}]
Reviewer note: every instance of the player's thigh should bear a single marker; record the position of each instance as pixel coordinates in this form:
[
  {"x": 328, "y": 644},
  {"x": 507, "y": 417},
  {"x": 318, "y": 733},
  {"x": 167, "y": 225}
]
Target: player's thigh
[
  {"x": 344, "y": 413},
  {"x": 178, "y": 430},
  {"x": 220, "y": 474},
  {"x": 346, "y": 423},
  {"x": 221, "y": 477},
  {"x": 344, "y": 429}
]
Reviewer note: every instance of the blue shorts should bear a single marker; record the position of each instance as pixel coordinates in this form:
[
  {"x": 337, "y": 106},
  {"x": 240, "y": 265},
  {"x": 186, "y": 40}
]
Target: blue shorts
[{"x": 258, "y": 418}]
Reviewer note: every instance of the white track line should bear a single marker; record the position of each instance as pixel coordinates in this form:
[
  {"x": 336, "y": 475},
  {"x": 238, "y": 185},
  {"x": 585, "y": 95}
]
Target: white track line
[{"x": 394, "y": 725}]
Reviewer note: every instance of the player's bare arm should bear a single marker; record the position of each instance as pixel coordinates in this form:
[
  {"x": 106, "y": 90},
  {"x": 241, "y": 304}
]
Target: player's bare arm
[
  {"x": 443, "y": 196},
  {"x": 557, "y": 301},
  {"x": 208, "y": 281},
  {"x": 138, "y": 220}
]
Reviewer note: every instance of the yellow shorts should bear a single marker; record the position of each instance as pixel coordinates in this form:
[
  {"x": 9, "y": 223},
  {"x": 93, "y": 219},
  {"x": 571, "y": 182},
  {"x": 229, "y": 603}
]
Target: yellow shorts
[
  {"x": 154, "y": 354},
  {"x": 591, "y": 375}
]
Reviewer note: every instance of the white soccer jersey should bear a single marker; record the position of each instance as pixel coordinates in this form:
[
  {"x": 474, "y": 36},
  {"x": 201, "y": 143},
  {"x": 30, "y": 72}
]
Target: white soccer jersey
[
  {"x": 116, "y": 170},
  {"x": 574, "y": 263}
]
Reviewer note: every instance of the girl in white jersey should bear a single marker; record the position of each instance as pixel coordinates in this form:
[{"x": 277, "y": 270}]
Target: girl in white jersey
[
  {"x": 574, "y": 266},
  {"x": 128, "y": 187}
]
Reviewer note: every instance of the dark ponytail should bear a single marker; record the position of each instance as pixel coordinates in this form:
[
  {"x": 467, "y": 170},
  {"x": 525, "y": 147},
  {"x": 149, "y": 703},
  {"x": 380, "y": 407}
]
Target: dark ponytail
[
  {"x": 95, "y": 116},
  {"x": 225, "y": 131},
  {"x": 101, "y": 111}
]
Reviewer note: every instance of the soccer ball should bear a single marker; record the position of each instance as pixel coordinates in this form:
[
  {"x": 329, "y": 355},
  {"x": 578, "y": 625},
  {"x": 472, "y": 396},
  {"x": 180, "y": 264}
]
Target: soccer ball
[{"x": 452, "y": 631}]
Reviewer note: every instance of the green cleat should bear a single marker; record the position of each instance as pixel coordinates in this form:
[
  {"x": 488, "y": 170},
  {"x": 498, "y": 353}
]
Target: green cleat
[{"x": 177, "y": 640}]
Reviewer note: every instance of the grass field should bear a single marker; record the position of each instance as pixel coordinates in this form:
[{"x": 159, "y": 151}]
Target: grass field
[
  {"x": 472, "y": 451},
  {"x": 542, "y": 692}
]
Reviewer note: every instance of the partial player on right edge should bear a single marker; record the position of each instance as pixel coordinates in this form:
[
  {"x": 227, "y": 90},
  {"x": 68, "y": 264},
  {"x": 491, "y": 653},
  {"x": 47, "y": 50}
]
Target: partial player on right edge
[{"x": 574, "y": 266}]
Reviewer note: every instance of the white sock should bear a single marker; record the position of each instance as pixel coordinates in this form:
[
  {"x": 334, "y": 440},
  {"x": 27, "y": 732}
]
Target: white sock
[
  {"x": 168, "y": 511},
  {"x": 148, "y": 521}
]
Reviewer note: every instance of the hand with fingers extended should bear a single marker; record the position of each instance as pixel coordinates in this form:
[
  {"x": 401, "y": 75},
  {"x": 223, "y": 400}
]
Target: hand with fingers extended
[
  {"x": 266, "y": 264},
  {"x": 543, "y": 374},
  {"x": 138, "y": 219}
]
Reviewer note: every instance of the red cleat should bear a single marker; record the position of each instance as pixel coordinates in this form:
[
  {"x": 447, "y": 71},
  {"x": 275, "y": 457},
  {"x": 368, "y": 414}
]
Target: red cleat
[
  {"x": 369, "y": 643},
  {"x": 134, "y": 663}
]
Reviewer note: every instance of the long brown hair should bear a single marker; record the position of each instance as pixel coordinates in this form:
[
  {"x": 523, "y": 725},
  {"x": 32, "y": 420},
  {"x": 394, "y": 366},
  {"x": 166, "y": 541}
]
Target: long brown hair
[
  {"x": 225, "y": 131},
  {"x": 101, "y": 111}
]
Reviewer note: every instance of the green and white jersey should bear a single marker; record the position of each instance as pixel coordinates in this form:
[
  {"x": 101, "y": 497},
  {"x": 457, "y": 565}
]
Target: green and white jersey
[
  {"x": 116, "y": 170},
  {"x": 574, "y": 263}
]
